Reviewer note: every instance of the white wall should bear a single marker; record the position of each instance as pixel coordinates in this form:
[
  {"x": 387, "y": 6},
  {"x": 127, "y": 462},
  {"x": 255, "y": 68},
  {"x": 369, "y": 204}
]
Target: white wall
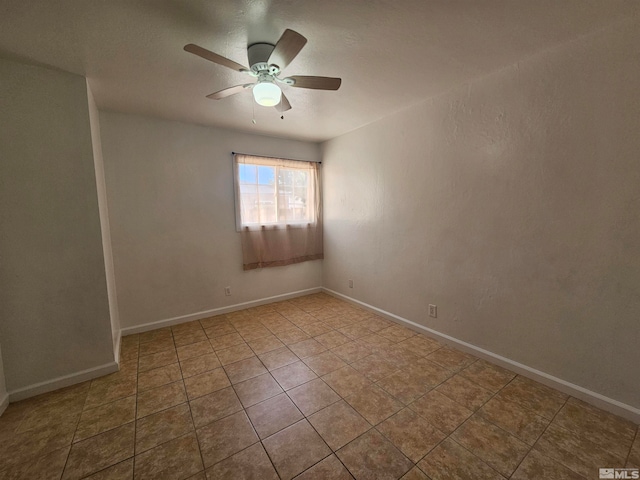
[
  {"x": 105, "y": 228},
  {"x": 53, "y": 299},
  {"x": 171, "y": 209},
  {"x": 512, "y": 203}
]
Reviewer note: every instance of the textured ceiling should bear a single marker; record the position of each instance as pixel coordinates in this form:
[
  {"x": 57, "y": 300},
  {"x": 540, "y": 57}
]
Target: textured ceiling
[{"x": 390, "y": 54}]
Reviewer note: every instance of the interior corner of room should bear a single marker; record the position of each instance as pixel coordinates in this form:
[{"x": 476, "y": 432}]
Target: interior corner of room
[{"x": 509, "y": 200}]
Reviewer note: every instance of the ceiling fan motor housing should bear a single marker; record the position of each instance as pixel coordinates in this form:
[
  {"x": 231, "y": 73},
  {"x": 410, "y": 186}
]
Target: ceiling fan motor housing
[{"x": 259, "y": 54}]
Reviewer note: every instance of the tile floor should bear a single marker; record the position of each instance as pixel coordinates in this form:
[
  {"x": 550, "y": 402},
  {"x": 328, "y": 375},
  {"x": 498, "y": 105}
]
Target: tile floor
[{"x": 311, "y": 388}]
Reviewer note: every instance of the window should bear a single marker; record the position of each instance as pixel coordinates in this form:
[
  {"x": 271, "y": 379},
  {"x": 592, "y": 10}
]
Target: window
[
  {"x": 278, "y": 211},
  {"x": 275, "y": 192}
]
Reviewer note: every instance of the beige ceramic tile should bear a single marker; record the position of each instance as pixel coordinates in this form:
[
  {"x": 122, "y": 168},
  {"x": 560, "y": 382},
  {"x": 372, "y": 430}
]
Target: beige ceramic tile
[
  {"x": 226, "y": 341},
  {"x": 255, "y": 333},
  {"x": 205, "y": 383},
  {"x": 575, "y": 452},
  {"x": 314, "y": 329},
  {"x": 194, "y": 350},
  {"x": 375, "y": 340},
  {"x": 534, "y": 396},
  {"x": 23, "y": 447},
  {"x": 196, "y": 365},
  {"x": 374, "y": 367},
  {"x": 257, "y": 389},
  {"x": 156, "y": 346},
  {"x": 119, "y": 471},
  {"x": 214, "y": 406},
  {"x": 100, "y": 451},
  {"x": 155, "y": 335},
  {"x": 338, "y": 424},
  {"x": 109, "y": 392},
  {"x": 414, "y": 474},
  {"x": 307, "y": 348},
  {"x": 106, "y": 417},
  {"x": 249, "y": 464},
  {"x": 234, "y": 354},
  {"x": 174, "y": 460},
  {"x": 273, "y": 415},
  {"x": 346, "y": 381},
  {"x": 396, "y": 333},
  {"x": 48, "y": 467},
  {"x": 291, "y": 336},
  {"x": 496, "y": 447},
  {"x": 411, "y": 434},
  {"x": 515, "y": 419},
  {"x": 537, "y": 466},
  {"x": 163, "y": 426},
  {"x": 222, "y": 328},
  {"x": 451, "y": 359},
  {"x": 265, "y": 344},
  {"x": 404, "y": 386},
  {"x": 355, "y": 331},
  {"x": 159, "y": 376},
  {"x": 373, "y": 456},
  {"x": 244, "y": 369},
  {"x": 224, "y": 437},
  {"x": 450, "y": 461},
  {"x": 352, "y": 351},
  {"x": 278, "y": 358},
  {"x": 332, "y": 339},
  {"x": 188, "y": 338},
  {"x": 374, "y": 404},
  {"x": 185, "y": 328},
  {"x": 313, "y": 396},
  {"x": 439, "y": 410},
  {"x": 609, "y": 431},
  {"x": 465, "y": 392},
  {"x": 421, "y": 345},
  {"x": 329, "y": 468},
  {"x": 634, "y": 455},
  {"x": 324, "y": 363},
  {"x": 160, "y": 398},
  {"x": 292, "y": 375},
  {"x": 157, "y": 360},
  {"x": 295, "y": 449},
  {"x": 487, "y": 375}
]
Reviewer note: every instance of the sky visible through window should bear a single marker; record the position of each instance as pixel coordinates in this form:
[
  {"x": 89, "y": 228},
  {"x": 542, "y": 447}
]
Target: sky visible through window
[{"x": 263, "y": 175}]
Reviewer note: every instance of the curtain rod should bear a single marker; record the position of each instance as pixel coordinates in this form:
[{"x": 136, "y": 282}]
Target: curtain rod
[{"x": 268, "y": 156}]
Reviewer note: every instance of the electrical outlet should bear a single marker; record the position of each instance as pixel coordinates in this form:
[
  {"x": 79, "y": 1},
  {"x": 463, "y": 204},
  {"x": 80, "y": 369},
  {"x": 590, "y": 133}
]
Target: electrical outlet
[
  {"x": 433, "y": 311},
  {"x": 227, "y": 291},
  {"x": 350, "y": 283}
]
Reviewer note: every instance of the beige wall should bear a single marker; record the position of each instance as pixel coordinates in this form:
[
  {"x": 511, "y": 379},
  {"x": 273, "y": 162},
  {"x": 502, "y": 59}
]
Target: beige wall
[
  {"x": 512, "y": 203},
  {"x": 53, "y": 299},
  {"x": 171, "y": 209}
]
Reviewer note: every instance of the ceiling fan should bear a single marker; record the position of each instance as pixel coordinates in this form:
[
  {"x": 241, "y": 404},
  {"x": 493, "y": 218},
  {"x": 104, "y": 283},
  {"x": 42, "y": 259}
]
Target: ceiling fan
[{"x": 267, "y": 62}]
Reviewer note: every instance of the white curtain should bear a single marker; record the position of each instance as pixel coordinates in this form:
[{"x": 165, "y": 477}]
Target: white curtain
[{"x": 278, "y": 210}]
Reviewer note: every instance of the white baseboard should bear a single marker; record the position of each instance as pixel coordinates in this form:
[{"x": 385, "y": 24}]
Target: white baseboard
[
  {"x": 61, "y": 382},
  {"x": 216, "y": 311},
  {"x": 593, "y": 398},
  {"x": 116, "y": 347},
  {"x": 4, "y": 403}
]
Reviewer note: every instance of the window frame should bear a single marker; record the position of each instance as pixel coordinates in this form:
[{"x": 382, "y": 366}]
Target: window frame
[{"x": 278, "y": 163}]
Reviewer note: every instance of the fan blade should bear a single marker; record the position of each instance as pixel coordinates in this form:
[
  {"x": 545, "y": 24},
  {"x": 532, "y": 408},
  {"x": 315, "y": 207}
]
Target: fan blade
[
  {"x": 286, "y": 49},
  {"x": 214, "y": 57},
  {"x": 229, "y": 91},
  {"x": 318, "y": 83},
  {"x": 284, "y": 104}
]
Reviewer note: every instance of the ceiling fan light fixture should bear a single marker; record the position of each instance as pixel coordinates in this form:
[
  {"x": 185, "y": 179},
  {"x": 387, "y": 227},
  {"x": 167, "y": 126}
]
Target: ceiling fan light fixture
[{"x": 267, "y": 93}]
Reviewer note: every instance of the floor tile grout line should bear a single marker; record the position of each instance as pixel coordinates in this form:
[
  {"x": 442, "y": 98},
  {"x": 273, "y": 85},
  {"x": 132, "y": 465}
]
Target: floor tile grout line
[
  {"x": 193, "y": 423},
  {"x": 635, "y": 437}
]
